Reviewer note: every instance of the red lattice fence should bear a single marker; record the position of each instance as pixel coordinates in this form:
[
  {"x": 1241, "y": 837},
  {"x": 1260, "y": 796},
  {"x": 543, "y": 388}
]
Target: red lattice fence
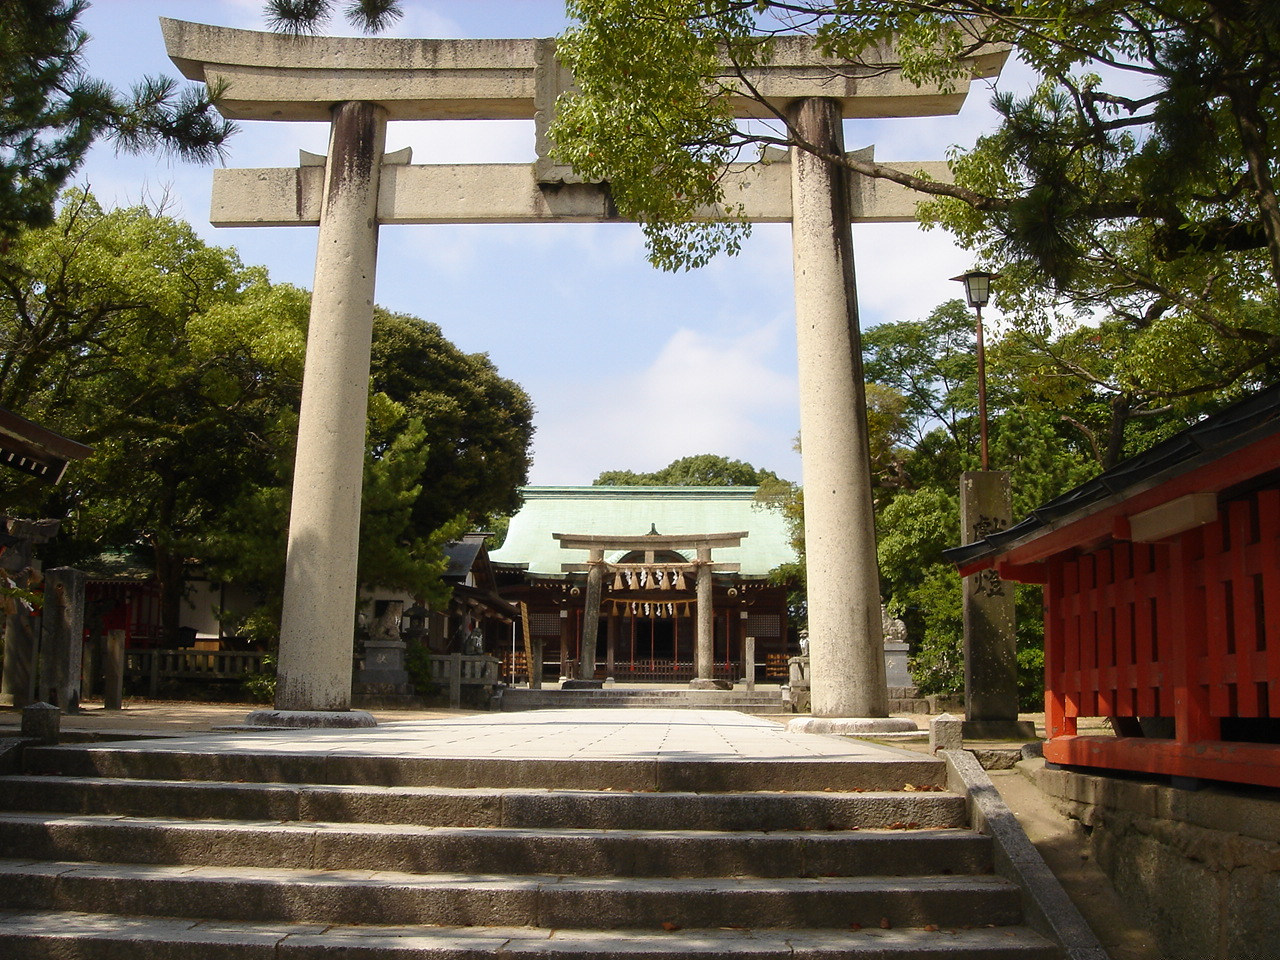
[{"x": 1187, "y": 629}]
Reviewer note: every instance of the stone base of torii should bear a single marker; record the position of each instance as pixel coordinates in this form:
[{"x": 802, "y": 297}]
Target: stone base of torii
[{"x": 358, "y": 85}]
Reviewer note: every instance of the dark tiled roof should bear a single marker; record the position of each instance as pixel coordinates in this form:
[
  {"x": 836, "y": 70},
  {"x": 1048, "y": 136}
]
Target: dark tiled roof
[{"x": 1239, "y": 425}]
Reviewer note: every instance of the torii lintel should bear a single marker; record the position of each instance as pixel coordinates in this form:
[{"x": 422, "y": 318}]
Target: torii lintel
[{"x": 271, "y": 76}]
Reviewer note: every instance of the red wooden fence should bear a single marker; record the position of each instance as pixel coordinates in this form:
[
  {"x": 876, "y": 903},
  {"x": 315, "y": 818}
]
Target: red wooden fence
[{"x": 1187, "y": 629}]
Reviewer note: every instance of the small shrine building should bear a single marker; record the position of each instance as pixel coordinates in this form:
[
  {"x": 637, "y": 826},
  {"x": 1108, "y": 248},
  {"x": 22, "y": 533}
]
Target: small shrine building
[{"x": 660, "y": 567}]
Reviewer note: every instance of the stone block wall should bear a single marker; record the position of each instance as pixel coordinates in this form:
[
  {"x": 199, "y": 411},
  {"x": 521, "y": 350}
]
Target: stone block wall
[{"x": 1201, "y": 866}]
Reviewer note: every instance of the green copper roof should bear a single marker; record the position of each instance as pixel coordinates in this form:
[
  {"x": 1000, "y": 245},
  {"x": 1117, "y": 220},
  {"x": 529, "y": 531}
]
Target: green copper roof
[{"x": 632, "y": 511}]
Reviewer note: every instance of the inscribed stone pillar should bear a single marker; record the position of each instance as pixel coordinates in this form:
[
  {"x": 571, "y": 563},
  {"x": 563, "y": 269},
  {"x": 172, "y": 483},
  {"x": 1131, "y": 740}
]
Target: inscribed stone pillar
[
  {"x": 317, "y": 626},
  {"x": 535, "y": 664},
  {"x": 21, "y": 643},
  {"x": 62, "y": 638},
  {"x": 845, "y": 645},
  {"x": 704, "y": 631},
  {"x": 18, "y": 685},
  {"x": 990, "y": 646},
  {"x": 591, "y": 615}
]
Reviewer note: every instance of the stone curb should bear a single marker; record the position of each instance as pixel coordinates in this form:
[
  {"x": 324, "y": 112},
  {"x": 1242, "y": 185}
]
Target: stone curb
[{"x": 1046, "y": 906}]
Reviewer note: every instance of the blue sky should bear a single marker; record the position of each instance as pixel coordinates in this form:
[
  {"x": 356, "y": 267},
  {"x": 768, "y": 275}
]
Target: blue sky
[{"x": 628, "y": 367}]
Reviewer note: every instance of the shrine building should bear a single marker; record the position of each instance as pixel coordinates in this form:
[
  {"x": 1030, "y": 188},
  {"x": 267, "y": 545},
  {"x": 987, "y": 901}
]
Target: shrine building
[{"x": 660, "y": 567}]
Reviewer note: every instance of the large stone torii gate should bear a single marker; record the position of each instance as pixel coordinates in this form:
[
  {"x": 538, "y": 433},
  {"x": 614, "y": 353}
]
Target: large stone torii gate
[{"x": 358, "y": 85}]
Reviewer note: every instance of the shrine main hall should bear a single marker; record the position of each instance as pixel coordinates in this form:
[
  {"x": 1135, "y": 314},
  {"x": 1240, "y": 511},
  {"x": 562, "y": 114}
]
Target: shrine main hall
[{"x": 655, "y": 568}]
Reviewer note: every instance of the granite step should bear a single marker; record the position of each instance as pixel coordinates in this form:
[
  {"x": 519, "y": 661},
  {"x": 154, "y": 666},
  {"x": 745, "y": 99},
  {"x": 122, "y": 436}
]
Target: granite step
[
  {"x": 761, "y": 702},
  {"x": 322, "y": 763},
  {"x": 40, "y": 935},
  {"x": 411, "y": 848},
  {"x": 500, "y": 899},
  {"x": 528, "y": 808}
]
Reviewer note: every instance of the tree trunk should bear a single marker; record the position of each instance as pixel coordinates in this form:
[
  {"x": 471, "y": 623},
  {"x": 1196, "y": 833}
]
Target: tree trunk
[{"x": 169, "y": 571}]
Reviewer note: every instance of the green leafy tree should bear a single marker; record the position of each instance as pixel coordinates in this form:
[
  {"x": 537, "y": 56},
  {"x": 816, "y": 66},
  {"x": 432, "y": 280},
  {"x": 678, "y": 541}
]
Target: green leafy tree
[
  {"x": 1135, "y": 186},
  {"x": 182, "y": 368},
  {"x": 103, "y": 336},
  {"x": 1192, "y": 153},
  {"x": 51, "y": 111},
  {"x": 933, "y": 363},
  {"x": 700, "y": 470},
  {"x": 479, "y": 424}
]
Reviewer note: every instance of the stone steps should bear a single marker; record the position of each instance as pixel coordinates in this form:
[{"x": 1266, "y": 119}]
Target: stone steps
[
  {"x": 469, "y": 899},
  {"x": 170, "y": 850}
]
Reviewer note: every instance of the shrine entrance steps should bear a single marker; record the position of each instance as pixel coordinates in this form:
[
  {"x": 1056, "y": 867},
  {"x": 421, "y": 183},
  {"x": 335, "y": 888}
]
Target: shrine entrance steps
[
  {"x": 761, "y": 702},
  {"x": 672, "y": 834}
]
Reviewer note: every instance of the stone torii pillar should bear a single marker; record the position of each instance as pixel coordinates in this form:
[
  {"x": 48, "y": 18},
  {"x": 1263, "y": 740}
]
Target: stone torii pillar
[
  {"x": 273, "y": 77},
  {"x": 704, "y": 633},
  {"x": 317, "y": 628},
  {"x": 839, "y": 518}
]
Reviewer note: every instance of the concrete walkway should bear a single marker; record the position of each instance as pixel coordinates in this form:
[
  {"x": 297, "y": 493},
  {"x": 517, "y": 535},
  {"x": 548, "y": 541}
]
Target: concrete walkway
[{"x": 575, "y": 734}]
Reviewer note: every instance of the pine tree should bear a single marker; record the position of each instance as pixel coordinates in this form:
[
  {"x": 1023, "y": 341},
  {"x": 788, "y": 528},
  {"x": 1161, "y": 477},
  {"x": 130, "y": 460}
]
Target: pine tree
[{"x": 51, "y": 111}]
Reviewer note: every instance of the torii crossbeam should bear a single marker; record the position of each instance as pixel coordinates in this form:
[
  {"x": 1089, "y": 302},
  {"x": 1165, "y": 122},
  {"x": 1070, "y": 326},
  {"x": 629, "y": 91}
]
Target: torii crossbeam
[{"x": 358, "y": 85}]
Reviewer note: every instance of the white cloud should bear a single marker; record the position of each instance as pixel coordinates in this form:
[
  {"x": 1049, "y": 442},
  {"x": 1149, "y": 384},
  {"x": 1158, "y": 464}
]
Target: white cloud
[
  {"x": 730, "y": 395},
  {"x": 903, "y": 272}
]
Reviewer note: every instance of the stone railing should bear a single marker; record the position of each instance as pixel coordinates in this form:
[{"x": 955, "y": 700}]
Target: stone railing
[
  {"x": 190, "y": 664},
  {"x": 456, "y": 670}
]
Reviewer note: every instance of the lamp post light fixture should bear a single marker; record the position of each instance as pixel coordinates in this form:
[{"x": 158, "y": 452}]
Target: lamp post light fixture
[{"x": 977, "y": 290}]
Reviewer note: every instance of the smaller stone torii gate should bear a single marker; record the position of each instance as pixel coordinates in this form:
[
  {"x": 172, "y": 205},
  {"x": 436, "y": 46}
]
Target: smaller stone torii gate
[
  {"x": 357, "y": 85},
  {"x": 651, "y": 544}
]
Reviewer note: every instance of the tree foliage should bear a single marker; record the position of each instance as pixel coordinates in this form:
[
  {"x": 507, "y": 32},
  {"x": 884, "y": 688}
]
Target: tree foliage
[
  {"x": 52, "y": 111},
  {"x": 480, "y": 424},
  {"x": 182, "y": 368},
  {"x": 1037, "y": 442},
  {"x": 1135, "y": 186},
  {"x": 1083, "y": 153},
  {"x": 700, "y": 470}
]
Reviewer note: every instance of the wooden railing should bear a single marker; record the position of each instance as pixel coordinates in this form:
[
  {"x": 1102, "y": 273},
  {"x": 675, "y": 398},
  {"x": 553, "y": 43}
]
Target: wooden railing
[
  {"x": 1186, "y": 630},
  {"x": 155, "y": 665},
  {"x": 667, "y": 671}
]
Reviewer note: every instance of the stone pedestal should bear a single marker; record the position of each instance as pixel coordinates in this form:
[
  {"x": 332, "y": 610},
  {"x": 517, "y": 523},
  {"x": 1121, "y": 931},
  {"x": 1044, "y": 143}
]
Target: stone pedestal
[
  {"x": 383, "y": 673},
  {"x": 895, "y": 666},
  {"x": 710, "y": 683},
  {"x": 41, "y": 721}
]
